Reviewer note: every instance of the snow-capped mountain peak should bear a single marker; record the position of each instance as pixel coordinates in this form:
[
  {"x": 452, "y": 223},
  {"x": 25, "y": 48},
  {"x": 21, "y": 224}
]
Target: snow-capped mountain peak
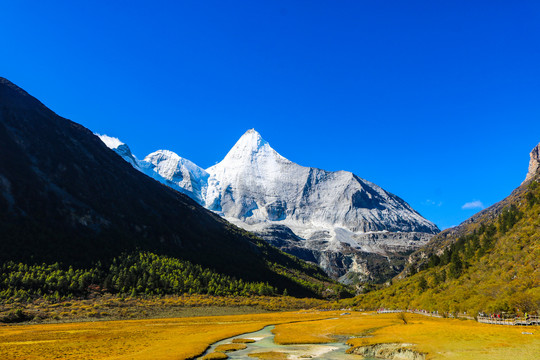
[
  {"x": 251, "y": 141},
  {"x": 166, "y": 167},
  {"x": 111, "y": 142},
  {"x": 121, "y": 149},
  {"x": 250, "y": 149},
  {"x": 255, "y": 184},
  {"x": 182, "y": 173},
  {"x": 168, "y": 163},
  {"x": 303, "y": 210}
]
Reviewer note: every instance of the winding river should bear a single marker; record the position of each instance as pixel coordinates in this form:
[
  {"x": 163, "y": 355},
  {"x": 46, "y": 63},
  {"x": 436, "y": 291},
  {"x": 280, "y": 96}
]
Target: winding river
[{"x": 264, "y": 342}]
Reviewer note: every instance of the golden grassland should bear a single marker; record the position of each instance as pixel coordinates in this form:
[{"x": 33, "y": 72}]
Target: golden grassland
[
  {"x": 172, "y": 338},
  {"x": 269, "y": 355},
  {"x": 435, "y": 337},
  {"x": 215, "y": 356},
  {"x": 243, "y": 341},
  {"x": 181, "y": 338},
  {"x": 230, "y": 347},
  {"x": 459, "y": 339},
  {"x": 110, "y": 307},
  {"x": 325, "y": 331}
]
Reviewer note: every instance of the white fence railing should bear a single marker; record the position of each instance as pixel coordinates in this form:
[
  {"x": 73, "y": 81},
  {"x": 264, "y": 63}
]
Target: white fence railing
[
  {"x": 530, "y": 320},
  {"x": 420, "y": 312},
  {"x": 519, "y": 321},
  {"x": 385, "y": 311}
]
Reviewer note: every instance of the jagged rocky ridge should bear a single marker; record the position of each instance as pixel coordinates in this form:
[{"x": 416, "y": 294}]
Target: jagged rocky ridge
[{"x": 351, "y": 227}]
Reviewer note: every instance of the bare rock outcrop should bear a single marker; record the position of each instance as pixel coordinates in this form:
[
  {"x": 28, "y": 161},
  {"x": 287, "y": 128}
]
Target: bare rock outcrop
[
  {"x": 534, "y": 164},
  {"x": 390, "y": 351}
]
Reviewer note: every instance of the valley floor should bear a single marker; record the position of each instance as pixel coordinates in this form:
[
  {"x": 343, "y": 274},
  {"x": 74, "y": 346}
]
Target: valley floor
[
  {"x": 112, "y": 307},
  {"x": 188, "y": 337}
]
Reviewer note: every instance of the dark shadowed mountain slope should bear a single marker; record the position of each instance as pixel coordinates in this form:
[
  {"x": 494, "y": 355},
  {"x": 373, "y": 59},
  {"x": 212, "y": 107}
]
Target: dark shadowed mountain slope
[{"x": 64, "y": 196}]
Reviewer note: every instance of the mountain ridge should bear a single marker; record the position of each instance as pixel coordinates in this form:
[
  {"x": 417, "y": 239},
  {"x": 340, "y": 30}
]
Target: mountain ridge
[
  {"x": 65, "y": 197},
  {"x": 489, "y": 263},
  {"x": 306, "y": 211},
  {"x": 446, "y": 237}
]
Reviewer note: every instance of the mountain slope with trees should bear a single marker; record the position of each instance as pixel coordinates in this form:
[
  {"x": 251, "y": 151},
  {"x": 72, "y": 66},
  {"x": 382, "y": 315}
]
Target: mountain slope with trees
[
  {"x": 490, "y": 263},
  {"x": 66, "y": 198}
]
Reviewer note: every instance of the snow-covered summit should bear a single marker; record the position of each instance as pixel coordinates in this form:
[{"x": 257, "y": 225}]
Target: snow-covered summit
[
  {"x": 111, "y": 142},
  {"x": 168, "y": 163},
  {"x": 250, "y": 150},
  {"x": 121, "y": 149},
  {"x": 166, "y": 167},
  {"x": 256, "y": 184},
  {"x": 332, "y": 216},
  {"x": 182, "y": 173},
  {"x": 250, "y": 145},
  {"x": 251, "y": 141}
]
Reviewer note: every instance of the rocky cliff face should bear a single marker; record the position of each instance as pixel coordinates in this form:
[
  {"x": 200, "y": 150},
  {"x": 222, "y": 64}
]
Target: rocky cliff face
[
  {"x": 342, "y": 222},
  {"x": 534, "y": 164}
]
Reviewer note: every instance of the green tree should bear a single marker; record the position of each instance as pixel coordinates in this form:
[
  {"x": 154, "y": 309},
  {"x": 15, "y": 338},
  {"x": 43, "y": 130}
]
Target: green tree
[
  {"x": 422, "y": 284},
  {"x": 456, "y": 266}
]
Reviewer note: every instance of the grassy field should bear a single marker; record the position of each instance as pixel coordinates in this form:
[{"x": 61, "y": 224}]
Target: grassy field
[
  {"x": 109, "y": 307},
  {"x": 180, "y": 338},
  {"x": 172, "y": 338},
  {"x": 435, "y": 337}
]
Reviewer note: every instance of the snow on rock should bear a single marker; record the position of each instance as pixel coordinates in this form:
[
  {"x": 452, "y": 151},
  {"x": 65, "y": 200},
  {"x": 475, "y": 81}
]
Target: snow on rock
[
  {"x": 121, "y": 149},
  {"x": 295, "y": 207},
  {"x": 111, "y": 142},
  {"x": 180, "y": 172},
  {"x": 166, "y": 167},
  {"x": 255, "y": 184}
]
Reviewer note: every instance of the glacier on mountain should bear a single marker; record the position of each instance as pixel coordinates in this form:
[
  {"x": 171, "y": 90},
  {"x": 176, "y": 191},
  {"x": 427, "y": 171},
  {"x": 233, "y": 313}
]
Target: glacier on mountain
[{"x": 332, "y": 218}]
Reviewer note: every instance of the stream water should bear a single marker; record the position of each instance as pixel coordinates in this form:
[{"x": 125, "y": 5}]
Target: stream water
[{"x": 264, "y": 342}]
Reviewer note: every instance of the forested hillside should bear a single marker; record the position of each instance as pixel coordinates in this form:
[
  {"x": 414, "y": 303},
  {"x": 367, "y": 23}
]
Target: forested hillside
[
  {"x": 69, "y": 205},
  {"x": 492, "y": 266},
  {"x": 139, "y": 273}
]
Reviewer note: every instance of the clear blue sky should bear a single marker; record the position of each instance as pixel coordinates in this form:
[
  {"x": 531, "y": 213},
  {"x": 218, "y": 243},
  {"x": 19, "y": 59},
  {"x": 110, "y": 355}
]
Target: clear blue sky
[{"x": 437, "y": 102}]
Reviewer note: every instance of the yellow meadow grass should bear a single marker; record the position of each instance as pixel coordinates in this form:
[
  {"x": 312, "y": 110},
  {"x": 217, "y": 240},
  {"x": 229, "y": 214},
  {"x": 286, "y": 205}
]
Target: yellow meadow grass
[
  {"x": 215, "y": 356},
  {"x": 243, "y": 341},
  {"x": 172, "y": 338},
  {"x": 230, "y": 347},
  {"x": 438, "y": 338},
  {"x": 269, "y": 355},
  {"x": 180, "y": 338}
]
